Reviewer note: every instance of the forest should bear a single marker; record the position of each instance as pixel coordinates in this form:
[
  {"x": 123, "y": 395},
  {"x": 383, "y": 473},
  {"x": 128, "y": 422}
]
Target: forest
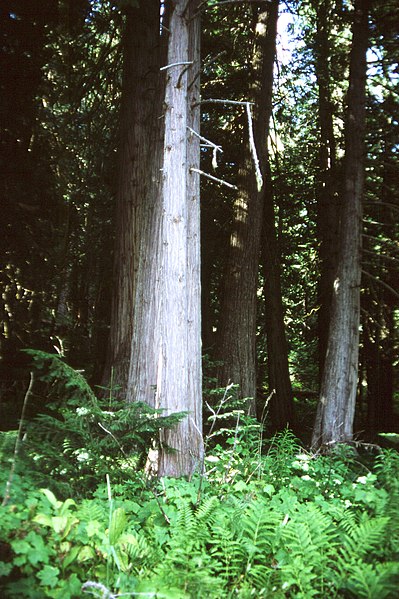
[{"x": 199, "y": 373}]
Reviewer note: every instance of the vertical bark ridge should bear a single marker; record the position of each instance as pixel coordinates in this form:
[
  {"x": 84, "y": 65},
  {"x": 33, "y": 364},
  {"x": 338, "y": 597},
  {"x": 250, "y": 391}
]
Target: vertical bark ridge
[
  {"x": 334, "y": 419},
  {"x": 180, "y": 380}
]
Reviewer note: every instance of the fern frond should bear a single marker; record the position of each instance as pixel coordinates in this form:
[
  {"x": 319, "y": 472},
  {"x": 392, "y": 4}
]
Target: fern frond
[
  {"x": 364, "y": 538},
  {"x": 373, "y": 581},
  {"x": 90, "y": 511},
  {"x": 206, "y": 511},
  {"x": 227, "y": 551}
]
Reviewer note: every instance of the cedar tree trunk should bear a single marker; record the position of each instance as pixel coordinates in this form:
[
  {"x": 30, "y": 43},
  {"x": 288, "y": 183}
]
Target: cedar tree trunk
[
  {"x": 179, "y": 364},
  {"x": 237, "y": 327},
  {"x": 135, "y": 182},
  {"x": 336, "y": 409}
]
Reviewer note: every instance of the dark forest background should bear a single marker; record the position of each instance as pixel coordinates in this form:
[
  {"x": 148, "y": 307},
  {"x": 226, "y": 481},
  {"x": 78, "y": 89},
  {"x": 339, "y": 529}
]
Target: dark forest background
[{"x": 60, "y": 88}]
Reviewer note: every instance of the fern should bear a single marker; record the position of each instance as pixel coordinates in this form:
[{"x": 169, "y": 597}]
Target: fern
[
  {"x": 373, "y": 581},
  {"x": 90, "y": 511},
  {"x": 82, "y": 438},
  {"x": 364, "y": 535},
  {"x": 308, "y": 544},
  {"x": 227, "y": 552},
  {"x": 52, "y": 369}
]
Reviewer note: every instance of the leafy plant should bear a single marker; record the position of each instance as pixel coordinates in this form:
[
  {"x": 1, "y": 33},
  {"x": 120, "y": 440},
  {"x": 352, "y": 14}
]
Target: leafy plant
[
  {"x": 81, "y": 438},
  {"x": 288, "y": 524}
]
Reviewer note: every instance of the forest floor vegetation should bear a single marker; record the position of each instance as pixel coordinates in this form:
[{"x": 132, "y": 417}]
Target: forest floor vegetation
[{"x": 265, "y": 518}]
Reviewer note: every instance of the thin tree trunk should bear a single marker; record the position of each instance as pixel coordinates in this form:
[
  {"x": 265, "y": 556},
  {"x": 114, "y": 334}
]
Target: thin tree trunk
[
  {"x": 327, "y": 197},
  {"x": 336, "y": 409},
  {"x": 379, "y": 354},
  {"x": 281, "y": 403}
]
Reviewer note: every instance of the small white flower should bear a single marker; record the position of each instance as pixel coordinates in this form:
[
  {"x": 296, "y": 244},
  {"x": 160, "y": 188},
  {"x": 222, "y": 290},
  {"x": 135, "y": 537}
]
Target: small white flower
[
  {"x": 362, "y": 480},
  {"x": 82, "y": 411},
  {"x": 302, "y": 456},
  {"x": 83, "y": 456},
  {"x": 212, "y": 458}
]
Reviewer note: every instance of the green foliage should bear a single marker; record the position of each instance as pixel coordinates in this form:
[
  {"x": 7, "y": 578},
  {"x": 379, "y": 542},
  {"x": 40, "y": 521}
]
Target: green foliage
[
  {"x": 83, "y": 438},
  {"x": 283, "y": 524}
]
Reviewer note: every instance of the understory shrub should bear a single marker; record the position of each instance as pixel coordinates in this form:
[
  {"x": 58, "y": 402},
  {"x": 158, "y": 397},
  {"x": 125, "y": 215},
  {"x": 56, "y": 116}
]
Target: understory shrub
[
  {"x": 81, "y": 438},
  {"x": 264, "y": 519},
  {"x": 325, "y": 528}
]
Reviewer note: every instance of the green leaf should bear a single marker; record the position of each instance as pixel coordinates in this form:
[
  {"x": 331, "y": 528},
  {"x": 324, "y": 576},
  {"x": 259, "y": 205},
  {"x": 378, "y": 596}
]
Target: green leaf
[
  {"x": 117, "y": 526},
  {"x": 49, "y": 576},
  {"x": 52, "y": 498},
  {"x": 59, "y": 523},
  {"x": 66, "y": 505},
  {"x": 157, "y": 590},
  {"x": 43, "y": 519},
  {"x": 5, "y": 569},
  {"x": 31, "y": 550},
  {"x": 93, "y": 528},
  {"x": 240, "y": 486},
  {"x": 70, "y": 557},
  {"x": 86, "y": 553},
  {"x": 269, "y": 490}
]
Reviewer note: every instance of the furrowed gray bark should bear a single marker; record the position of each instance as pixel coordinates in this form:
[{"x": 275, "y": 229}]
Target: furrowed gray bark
[
  {"x": 179, "y": 381},
  {"x": 336, "y": 409}
]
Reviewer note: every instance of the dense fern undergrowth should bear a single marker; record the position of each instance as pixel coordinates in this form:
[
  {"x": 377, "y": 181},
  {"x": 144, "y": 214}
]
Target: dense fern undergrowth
[{"x": 82, "y": 515}]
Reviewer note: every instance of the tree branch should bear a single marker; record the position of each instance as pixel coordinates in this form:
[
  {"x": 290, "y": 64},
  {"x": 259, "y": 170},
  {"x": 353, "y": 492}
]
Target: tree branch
[
  {"x": 205, "y": 4},
  {"x": 176, "y": 64},
  {"x": 377, "y": 280},
  {"x": 197, "y": 170},
  {"x": 219, "y": 101},
  {"x": 258, "y": 174},
  {"x": 210, "y": 144}
]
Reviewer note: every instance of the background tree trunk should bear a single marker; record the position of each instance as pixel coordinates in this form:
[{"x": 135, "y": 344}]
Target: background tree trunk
[
  {"x": 327, "y": 196},
  {"x": 335, "y": 414},
  {"x": 237, "y": 327},
  {"x": 135, "y": 183},
  {"x": 281, "y": 403}
]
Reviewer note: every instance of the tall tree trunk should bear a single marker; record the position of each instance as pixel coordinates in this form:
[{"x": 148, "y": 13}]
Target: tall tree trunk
[
  {"x": 179, "y": 367},
  {"x": 281, "y": 403},
  {"x": 135, "y": 186},
  {"x": 237, "y": 327},
  {"x": 379, "y": 309},
  {"x": 327, "y": 197},
  {"x": 156, "y": 344},
  {"x": 336, "y": 409}
]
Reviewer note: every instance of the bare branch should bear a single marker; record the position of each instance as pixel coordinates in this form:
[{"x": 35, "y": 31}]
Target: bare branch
[
  {"x": 378, "y": 203},
  {"x": 176, "y": 64},
  {"x": 220, "y": 101},
  {"x": 197, "y": 170},
  {"x": 222, "y": 2},
  {"x": 380, "y": 256},
  {"x": 258, "y": 174},
  {"x": 377, "y": 280},
  {"x": 209, "y": 144}
]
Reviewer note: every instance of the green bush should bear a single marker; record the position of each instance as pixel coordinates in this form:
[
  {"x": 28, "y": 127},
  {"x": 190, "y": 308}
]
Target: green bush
[
  {"x": 81, "y": 438},
  {"x": 265, "y": 519}
]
